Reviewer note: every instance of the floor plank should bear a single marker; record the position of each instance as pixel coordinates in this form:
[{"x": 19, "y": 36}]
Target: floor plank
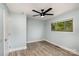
[{"x": 42, "y": 48}]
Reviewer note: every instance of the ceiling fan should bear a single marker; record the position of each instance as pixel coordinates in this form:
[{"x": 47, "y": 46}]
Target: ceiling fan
[{"x": 43, "y": 12}]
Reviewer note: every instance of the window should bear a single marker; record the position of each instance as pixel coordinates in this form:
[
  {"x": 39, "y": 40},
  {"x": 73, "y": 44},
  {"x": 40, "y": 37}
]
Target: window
[
  {"x": 66, "y": 26},
  {"x": 53, "y": 26},
  {"x": 69, "y": 26},
  {"x": 59, "y": 26}
]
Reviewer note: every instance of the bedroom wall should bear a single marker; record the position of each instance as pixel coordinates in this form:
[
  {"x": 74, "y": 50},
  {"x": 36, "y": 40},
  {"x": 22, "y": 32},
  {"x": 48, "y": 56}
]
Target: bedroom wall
[
  {"x": 35, "y": 30},
  {"x": 66, "y": 39}
]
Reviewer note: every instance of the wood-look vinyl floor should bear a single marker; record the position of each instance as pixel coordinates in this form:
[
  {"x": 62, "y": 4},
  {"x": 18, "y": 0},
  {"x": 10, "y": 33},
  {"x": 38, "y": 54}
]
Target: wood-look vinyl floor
[{"x": 42, "y": 48}]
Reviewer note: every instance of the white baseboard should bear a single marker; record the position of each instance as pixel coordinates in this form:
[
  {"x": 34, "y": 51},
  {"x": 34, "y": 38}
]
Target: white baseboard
[
  {"x": 35, "y": 41},
  {"x": 68, "y": 49},
  {"x": 20, "y": 48}
]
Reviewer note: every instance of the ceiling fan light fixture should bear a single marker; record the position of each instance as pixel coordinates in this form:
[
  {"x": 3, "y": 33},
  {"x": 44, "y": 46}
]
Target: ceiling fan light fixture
[{"x": 42, "y": 16}]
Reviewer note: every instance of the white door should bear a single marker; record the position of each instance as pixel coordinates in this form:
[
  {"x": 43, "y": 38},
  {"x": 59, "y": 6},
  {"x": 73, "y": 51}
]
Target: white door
[
  {"x": 17, "y": 34},
  {"x": 1, "y": 33},
  {"x": 7, "y": 34}
]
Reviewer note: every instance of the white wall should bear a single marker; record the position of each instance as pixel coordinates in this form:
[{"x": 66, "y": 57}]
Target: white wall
[
  {"x": 17, "y": 31},
  {"x": 65, "y": 39},
  {"x": 35, "y": 29}
]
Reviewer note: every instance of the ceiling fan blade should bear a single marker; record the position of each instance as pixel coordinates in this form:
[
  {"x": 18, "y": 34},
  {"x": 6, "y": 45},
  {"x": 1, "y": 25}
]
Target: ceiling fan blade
[
  {"x": 35, "y": 15},
  {"x": 47, "y": 10},
  {"x": 35, "y": 11},
  {"x": 49, "y": 14}
]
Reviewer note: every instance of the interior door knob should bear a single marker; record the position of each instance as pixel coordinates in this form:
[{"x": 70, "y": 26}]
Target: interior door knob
[
  {"x": 9, "y": 33},
  {"x": 6, "y": 39}
]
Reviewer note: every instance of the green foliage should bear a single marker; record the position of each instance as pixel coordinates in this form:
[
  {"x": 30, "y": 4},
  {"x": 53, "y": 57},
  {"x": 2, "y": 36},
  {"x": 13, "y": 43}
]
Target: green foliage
[
  {"x": 53, "y": 26},
  {"x": 59, "y": 26},
  {"x": 62, "y": 26},
  {"x": 69, "y": 26}
]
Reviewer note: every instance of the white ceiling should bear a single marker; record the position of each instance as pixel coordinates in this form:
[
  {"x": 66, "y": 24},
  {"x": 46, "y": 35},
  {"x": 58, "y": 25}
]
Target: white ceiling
[{"x": 58, "y": 8}]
